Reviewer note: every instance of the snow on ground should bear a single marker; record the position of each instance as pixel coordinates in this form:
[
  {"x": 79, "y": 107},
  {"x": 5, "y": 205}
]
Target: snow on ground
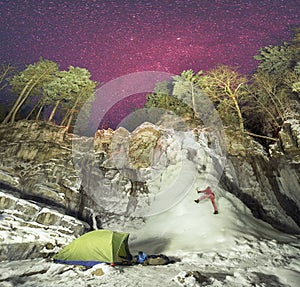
[
  {"x": 229, "y": 249},
  {"x": 248, "y": 263}
]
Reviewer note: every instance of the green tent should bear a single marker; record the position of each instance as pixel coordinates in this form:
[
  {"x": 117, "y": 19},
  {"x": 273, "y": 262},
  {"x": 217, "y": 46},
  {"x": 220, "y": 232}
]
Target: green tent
[{"x": 95, "y": 247}]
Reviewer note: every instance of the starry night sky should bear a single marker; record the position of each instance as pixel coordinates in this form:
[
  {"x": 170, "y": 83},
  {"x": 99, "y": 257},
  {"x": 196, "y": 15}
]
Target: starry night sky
[{"x": 114, "y": 38}]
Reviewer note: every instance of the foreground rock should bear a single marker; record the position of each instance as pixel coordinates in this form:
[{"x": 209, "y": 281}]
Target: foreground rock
[{"x": 30, "y": 229}]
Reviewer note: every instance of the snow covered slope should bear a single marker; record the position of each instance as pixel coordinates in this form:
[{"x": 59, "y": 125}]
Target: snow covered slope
[
  {"x": 193, "y": 227},
  {"x": 231, "y": 249}
]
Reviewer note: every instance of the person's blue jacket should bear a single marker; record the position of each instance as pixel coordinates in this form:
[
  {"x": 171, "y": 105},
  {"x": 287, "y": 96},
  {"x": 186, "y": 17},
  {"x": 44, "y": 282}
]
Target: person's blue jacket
[{"x": 142, "y": 256}]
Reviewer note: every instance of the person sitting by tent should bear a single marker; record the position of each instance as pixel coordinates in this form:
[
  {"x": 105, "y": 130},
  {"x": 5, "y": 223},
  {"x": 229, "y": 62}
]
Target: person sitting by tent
[
  {"x": 152, "y": 259},
  {"x": 207, "y": 193},
  {"x": 141, "y": 257}
]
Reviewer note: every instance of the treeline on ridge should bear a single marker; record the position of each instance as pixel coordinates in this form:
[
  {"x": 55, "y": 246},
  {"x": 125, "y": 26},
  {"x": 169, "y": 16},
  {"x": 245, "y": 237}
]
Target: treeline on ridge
[{"x": 256, "y": 105}]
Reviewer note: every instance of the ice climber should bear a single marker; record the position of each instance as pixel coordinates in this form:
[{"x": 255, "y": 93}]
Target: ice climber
[{"x": 207, "y": 193}]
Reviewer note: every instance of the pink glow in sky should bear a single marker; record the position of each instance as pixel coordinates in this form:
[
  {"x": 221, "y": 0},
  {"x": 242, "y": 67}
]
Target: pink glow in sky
[{"x": 114, "y": 38}]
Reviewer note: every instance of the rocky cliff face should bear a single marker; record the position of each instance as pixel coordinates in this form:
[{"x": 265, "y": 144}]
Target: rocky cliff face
[
  {"x": 269, "y": 183},
  {"x": 63, "y": 185},
  {"x": 39, "y": 191}
]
